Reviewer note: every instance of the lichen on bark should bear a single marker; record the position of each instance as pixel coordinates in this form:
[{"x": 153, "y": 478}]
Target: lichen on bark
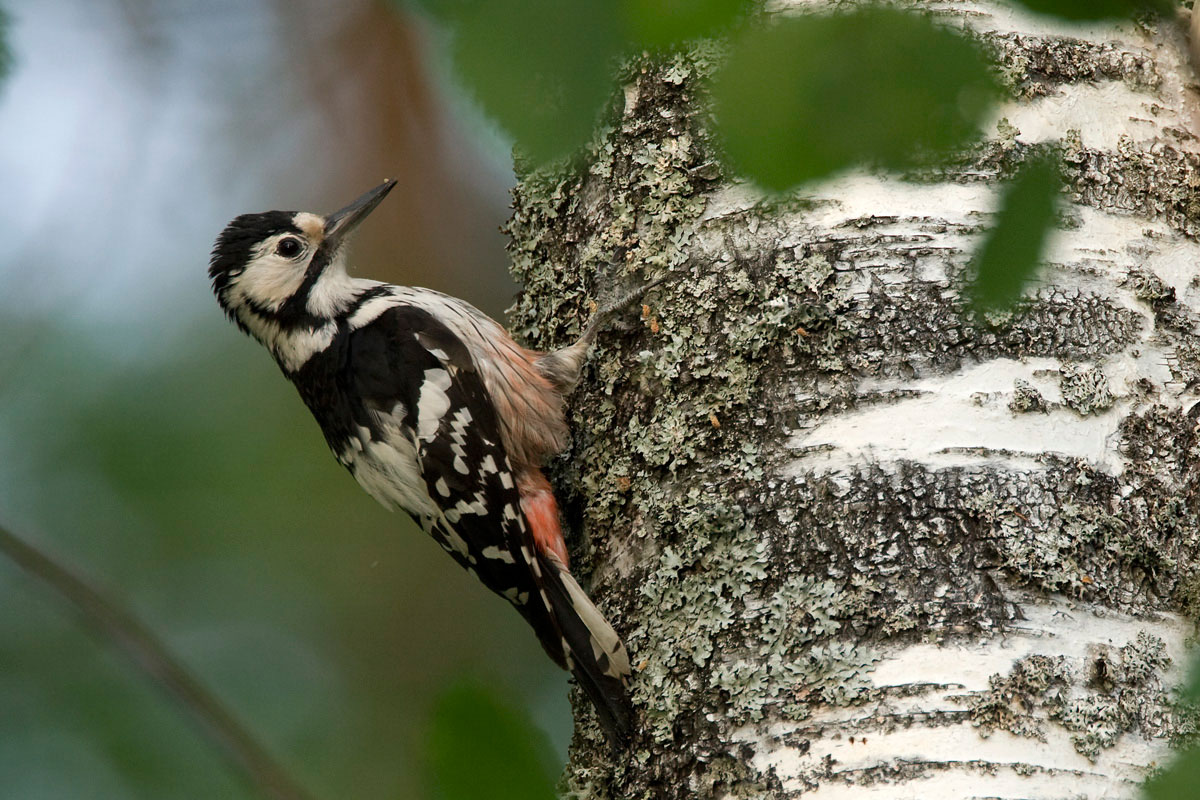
[{"x": 765, "y": 484}]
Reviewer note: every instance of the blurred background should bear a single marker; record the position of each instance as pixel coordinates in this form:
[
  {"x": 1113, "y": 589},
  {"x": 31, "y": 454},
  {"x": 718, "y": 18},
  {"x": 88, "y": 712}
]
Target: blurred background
[{"x": 148, "y": 444}]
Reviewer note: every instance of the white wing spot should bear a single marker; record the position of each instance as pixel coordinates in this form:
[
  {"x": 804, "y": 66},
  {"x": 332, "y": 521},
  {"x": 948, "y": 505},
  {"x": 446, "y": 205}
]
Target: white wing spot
[
  {"x": 496, "y": 554},
  {"x": 369, "y": 311},
  {"x": 432, "y": 403},
  {"x": 442, "y": 488},
  {"x": 476, "y": 507}
]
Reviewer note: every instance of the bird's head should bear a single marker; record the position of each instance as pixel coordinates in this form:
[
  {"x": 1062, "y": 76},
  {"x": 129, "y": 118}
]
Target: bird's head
[{"x": 283, "y": 270}]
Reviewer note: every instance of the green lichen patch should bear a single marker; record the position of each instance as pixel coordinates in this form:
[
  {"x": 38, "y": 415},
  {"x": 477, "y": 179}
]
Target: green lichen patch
[
  {"x": 1016, "y": 702},
  {"x": 1125, "y": 693},
  {"x": 1158, "y": 184},
  {"x": 1026, "y": 399},
  {"x": 719, "y": 621},
  {"x": 1149, "y": 288},
  {"x": 1034, "y": 66},
  {"x": 1085, "y": 389},
  {"x": 926, "y": 328},
  {"x": 1119, "y": 691},
  {"x": 1185, "y": 362}
]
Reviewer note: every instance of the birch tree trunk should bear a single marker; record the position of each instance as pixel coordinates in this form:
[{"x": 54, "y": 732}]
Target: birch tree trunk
[{"x": 860, "y": 544}]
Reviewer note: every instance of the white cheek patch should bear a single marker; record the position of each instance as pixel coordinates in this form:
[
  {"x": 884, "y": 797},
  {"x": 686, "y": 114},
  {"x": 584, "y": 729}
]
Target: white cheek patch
[{"x": 270, "y": 280}]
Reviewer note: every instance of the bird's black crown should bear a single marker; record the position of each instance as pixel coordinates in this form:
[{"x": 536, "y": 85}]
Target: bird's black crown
[{"x": 231, "y": 253}]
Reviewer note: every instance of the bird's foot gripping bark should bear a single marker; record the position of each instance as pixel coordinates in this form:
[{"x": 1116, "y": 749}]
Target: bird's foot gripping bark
[
  {"x": 615, "y": 302},
  {"x": 563, "y": 367}
]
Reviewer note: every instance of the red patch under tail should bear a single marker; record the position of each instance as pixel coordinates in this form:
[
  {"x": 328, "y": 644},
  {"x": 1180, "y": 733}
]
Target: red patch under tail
[{"x": 541, "y": 512}]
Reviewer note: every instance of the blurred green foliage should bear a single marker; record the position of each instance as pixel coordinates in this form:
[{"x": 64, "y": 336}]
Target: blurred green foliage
[
  {"x": 814, "y": 95},
  {"x": 1191, "y": 690},
  {"x": 1180, "y": 780},
  {"x": 1098, "y": 9},
  {"x": 541, "y": 68},
  {"x": 479, "y": 746},
  {"x": 666, "y": 23},
  {"x": 1013, "y": 248}
]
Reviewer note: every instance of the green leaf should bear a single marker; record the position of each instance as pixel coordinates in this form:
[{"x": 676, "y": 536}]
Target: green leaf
[
  {"x": 1097, "y": 9},
  {"x": 1014, "y": 245},
  {"x": 1178, "y": 781},
  {"x": 479, "y": 747},
  {"x": 660, "y": 23},
  {"x": 541, "y": 68},
  {"x": 1182, "y": 775},
  {"x": 814, "y": 95}
]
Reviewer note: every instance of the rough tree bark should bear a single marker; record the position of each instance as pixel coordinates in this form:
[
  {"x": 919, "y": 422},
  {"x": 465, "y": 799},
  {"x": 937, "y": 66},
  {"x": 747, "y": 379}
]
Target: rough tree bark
[{"x": 859, "y": 544}]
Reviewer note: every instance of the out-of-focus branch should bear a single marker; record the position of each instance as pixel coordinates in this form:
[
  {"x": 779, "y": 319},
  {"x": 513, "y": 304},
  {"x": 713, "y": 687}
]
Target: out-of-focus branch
[{"x": 128, "y": 634}]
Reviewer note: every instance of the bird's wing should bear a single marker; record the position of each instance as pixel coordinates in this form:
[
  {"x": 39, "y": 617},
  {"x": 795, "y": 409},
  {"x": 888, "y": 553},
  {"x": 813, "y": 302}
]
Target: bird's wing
[{"x": 406, "y": 364}]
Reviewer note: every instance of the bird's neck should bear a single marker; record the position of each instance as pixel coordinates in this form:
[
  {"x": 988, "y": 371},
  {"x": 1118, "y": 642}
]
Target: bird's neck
[{"x": 295, "y": 332}]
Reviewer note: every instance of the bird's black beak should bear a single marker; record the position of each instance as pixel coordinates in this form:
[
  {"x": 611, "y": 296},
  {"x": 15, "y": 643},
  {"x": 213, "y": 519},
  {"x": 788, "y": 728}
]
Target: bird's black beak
[{"x": 340, "y": 223}]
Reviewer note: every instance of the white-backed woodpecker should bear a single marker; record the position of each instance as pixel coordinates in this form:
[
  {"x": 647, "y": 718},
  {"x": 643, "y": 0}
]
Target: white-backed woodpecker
[{"x": 435, "y": 410}]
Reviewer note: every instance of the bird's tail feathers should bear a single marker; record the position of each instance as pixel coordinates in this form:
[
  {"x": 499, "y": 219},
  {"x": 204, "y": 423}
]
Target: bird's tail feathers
[{"x": 593, "y": 651}]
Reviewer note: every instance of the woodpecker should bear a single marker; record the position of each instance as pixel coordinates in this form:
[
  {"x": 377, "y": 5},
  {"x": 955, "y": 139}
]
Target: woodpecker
[{"x": 434, "y": 409}]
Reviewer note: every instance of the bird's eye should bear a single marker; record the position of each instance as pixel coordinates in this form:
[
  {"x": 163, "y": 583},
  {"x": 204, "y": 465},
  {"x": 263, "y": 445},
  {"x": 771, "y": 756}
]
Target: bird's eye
[{"x": 289, "y": 247}]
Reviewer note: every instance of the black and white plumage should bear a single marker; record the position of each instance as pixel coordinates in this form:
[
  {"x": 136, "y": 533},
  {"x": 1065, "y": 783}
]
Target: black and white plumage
[{"x": 435, "y": 410}]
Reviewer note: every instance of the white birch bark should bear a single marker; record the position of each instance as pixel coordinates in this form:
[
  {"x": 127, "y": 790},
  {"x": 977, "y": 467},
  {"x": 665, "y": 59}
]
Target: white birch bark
[{"x": 859, "y": 544}]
